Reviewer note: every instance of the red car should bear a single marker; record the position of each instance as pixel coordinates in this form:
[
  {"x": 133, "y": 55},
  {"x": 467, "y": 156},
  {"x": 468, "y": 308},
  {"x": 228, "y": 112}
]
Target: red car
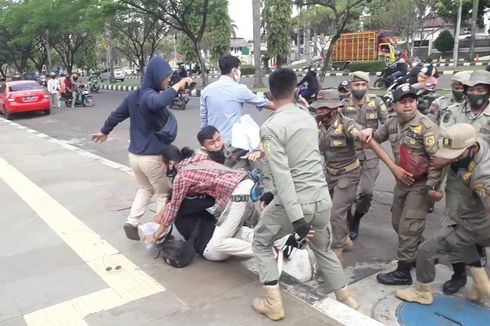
[{"x": 23, "y": 96}]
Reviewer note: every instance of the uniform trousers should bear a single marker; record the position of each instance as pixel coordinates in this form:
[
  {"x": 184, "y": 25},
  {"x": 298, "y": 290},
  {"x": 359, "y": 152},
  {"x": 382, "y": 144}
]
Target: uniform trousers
[
  {"x": 275, "y": 224},
  {"x": 461, "y": 238},
  {"x": 408, "y": 213},
  {"x": 343, "y": 189}
]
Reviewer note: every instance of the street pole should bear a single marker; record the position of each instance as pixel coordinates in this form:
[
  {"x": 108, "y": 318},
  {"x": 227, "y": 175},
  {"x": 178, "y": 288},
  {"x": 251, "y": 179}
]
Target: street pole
[
  {"x": 456, "y": 35},
  {"x": 473, "y": 29},
  {"x": 257, "y": 41}
]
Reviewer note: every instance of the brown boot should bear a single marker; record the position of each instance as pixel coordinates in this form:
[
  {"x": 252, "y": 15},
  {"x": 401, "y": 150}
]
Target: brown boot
[
  {"x": 344, "y": 297},
  {"x": 421, "y": 293},
  {"x": 481, "y": 286},
  {"x": 271, "y": 305}
]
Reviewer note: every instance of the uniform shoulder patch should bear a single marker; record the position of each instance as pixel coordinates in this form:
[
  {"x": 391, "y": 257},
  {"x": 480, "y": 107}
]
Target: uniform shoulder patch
[{"x": 480, "y": 190}]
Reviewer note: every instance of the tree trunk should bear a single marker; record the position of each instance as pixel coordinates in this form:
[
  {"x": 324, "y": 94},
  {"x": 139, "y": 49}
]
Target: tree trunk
[
  {"x": 326, "y": 61},
  {"x": 256, "y": 31},
  {"x": 202, "y": 63},
  {"x": 474, "y": 14},
  {"x": 308, "y": 44}
]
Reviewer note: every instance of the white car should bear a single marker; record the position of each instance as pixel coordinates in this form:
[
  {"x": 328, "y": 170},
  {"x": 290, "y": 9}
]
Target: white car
[{"x": 118, "y": 74}]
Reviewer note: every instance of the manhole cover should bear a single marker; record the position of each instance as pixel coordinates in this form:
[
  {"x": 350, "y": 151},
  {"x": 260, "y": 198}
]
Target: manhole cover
[{"x": 445, "y": 311}]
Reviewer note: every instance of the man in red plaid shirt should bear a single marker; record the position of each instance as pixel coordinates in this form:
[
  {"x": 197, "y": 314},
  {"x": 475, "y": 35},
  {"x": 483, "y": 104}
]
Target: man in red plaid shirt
[{"x": 197, "y": 175}]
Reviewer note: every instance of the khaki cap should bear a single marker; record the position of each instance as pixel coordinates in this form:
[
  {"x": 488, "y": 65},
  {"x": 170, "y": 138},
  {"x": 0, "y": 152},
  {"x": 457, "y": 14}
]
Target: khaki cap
[
  {"x": 327, "y": 98},
  {"x": 478, "y": 77},
  {"x": 461, "y": 76},
  {"x": 359, "y": 75},
  {"x": 457, "y": 138}
]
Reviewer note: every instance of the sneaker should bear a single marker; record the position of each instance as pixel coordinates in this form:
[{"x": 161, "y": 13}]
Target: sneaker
[{"x": 131, "y": 232}]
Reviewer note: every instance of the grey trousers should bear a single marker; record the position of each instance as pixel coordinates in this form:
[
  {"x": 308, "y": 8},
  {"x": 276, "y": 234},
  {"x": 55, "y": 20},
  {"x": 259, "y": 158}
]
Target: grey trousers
[
  {"x": 343, "y": 189},
  {"x": 369, "y": 174},
  {"x": 274, "y": 224},
  {"x": 460, "y": 238}
]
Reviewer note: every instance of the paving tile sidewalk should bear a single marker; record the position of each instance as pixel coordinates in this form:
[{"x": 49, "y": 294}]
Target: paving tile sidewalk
[{"x": 41, "y": 273}]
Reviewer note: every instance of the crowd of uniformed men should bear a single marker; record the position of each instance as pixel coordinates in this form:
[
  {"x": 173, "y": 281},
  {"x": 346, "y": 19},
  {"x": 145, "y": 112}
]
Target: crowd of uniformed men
[{"x": 319, "y": 164}]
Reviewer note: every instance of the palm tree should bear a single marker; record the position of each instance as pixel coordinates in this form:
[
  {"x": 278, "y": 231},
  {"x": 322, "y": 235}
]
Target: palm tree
[{"x": 234, "y": 28}]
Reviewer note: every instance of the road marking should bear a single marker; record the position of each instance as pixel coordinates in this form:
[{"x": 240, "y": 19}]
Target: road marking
[{"x": 126, "y": 283}]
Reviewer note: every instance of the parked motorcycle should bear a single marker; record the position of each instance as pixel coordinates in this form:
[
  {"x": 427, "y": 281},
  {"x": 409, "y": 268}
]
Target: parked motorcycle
[
  {"x": 182, "y": 98},
  {"x": 83, "y": 99},
  {"x": 94, "y": 84},
  {"x": 426, "y": 95}
]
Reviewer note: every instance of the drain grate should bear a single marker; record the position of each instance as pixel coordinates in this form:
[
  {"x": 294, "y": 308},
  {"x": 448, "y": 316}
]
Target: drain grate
[{"x": 445, "y": 311}]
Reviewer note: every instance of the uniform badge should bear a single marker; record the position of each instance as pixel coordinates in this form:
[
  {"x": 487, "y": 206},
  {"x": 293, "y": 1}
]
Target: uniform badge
[
  {"x": 372, "y": 104},
  {"x": 471, "y": 166},
  {"x": 383, "y": 107},
  {"x": 418, "y": 129},
  {"x": 429, "y": 141},
  {"x": 467, "y": 176},
  {"x": 267, "y": 148},
  {"x": 479, "y": 188},
  {"x": 412, "y": 141},
  {"x": 338, "y": 131}
]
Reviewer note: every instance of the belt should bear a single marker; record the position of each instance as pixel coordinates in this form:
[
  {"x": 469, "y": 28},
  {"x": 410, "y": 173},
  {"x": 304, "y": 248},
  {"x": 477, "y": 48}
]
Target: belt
[{"x": 354, "y": 165}]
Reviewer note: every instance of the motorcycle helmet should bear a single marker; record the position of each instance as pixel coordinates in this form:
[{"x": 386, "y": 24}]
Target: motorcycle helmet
[
  {"x": 344, "y": 86},
  {"x": 398, "y": 53},
  {"x": 74, "y": 76}
]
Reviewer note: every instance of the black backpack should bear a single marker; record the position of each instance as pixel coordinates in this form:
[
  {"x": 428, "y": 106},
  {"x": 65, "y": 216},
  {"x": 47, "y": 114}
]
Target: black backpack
[{"x": 178, "y": 253}]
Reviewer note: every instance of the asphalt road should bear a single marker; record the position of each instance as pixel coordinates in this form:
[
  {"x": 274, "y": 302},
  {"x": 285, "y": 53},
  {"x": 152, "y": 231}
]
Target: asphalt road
[{"x": 376, "y": 243}]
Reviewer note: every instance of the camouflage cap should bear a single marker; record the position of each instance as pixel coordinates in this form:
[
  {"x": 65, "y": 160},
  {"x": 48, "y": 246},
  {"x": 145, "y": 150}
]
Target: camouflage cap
[
  {"x": 461, "y": 76},
  {"x": 478, "y": 77},
  {"x": 327, "y": 98},
  {"x": 359, "y": 75},
  {"x": 457, "y": 138}
]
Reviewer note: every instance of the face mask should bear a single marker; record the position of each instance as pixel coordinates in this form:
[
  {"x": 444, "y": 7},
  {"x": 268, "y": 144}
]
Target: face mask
[
  {"x": 358, "y": 93},
  {"x": 217, "y": 156},
  {"x": 237, "y": 75},
  {"x": 458, "y": 96},
  {"x": 462, "y": 164},
  {"x": 476, "y": 101}
]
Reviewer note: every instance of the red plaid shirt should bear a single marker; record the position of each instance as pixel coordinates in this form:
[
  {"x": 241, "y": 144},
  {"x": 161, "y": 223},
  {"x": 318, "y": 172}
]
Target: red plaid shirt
[{"x": 218, "y": 184}]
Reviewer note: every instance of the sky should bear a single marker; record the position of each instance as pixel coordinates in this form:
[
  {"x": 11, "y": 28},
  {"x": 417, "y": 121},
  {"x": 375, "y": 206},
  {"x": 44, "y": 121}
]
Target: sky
[{"x": 240, "y": 12}]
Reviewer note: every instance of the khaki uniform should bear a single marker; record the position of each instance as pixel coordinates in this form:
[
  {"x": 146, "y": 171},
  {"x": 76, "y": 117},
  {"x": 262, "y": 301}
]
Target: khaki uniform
[
  {"x": 343, "y": 170},
  {"x": 468, "y": 205},
  {"x": 412, "y": 143},
  {"x": 440, "y": 106},
  {"x": 293, "y": 164},
  {"x": 461, "y": 113},
  {"x": 369, "y": 115}
]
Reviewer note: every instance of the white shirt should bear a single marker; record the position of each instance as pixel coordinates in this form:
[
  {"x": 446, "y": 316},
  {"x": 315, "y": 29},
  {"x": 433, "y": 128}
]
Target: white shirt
[{"x": 53, "y": 85}]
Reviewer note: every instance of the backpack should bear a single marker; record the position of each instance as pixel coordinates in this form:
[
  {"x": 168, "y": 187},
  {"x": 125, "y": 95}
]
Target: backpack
[{"x": 178, "y": 253}]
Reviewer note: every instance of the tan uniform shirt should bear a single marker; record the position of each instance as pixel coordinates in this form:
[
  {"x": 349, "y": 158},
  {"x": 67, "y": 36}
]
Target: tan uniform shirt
[
  {"x": 292, "y": 159},
  {"x": 439, "y": 107},
  {"x": 413, "y": 143},
  {"x": 461, "y": 113},
  {"x": 337, "y": 141},
  {"x": 371, "y": 114}
]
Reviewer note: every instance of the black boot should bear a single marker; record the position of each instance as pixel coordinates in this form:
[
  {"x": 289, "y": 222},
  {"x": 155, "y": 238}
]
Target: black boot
[
  {"x": 354, "y": 225},
  {"x": 400, "y": 276},
  {"x": 457, "y": 281}
]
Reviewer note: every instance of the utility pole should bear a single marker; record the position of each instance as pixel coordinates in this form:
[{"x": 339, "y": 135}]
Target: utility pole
[
  {"x": 456, "y": 35},
  {"x": 257, "y": 40},
  {"x": 473, "y": 29}
]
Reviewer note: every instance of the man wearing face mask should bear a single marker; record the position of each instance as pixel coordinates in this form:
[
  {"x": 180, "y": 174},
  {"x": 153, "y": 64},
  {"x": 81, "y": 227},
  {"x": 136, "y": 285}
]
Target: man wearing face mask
[
  {"x": 440, "y": 105},
  {"x": 343, "y": 169},
  {"x": 475, "y": 112},
  {"x": 369, "y": 111},
  {"x": 213, "y": 144},
  {"x": 468, "y": 185},
  {"x": 221, "y": 103},
  {"x": 476, "y": 109},
  {"x": 413, "y": 140}
]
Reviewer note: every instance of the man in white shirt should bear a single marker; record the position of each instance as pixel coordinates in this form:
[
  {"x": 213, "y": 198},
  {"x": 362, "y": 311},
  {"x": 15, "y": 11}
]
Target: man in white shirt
[
  {"x": 53, "y": 88},
  {"x": 222, "y": 101}
]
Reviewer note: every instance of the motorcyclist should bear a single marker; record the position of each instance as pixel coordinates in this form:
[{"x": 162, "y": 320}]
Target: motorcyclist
[
  {"x": 399, "y": 67},
  {"x": 428, "y": 75},
  {"x": 344, "y": 90},
  {"x": 75, "y": 89},
  {"x": 312, "y": 84}
]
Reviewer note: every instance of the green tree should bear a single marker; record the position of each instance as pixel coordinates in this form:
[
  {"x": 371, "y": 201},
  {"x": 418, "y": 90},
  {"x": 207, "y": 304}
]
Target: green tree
[
  {"x": 276, "y": 16},
  {"x": 188, "y": 17},
  {"x": 444, "y": 42}
]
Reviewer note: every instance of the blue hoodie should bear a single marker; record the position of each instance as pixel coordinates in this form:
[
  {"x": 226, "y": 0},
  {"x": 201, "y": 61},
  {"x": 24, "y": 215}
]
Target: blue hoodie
[{"x": 147, "y": 110}]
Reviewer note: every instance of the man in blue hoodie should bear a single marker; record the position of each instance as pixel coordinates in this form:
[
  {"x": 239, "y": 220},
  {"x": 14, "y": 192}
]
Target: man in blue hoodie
[{"x": 152, "y": 126}]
